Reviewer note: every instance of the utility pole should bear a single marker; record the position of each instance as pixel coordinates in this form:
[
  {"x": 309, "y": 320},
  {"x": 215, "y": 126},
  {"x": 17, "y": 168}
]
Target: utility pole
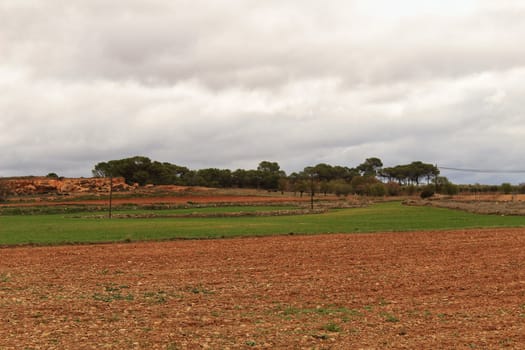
[
  {"x": 110, "y": 194},
  {"x": 312, "y": 191}
]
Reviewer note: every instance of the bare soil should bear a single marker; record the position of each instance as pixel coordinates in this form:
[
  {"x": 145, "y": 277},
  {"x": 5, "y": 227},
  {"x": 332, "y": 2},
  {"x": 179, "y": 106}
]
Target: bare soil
[
  {"x": 481, "y": 205},
  {"x": 193, "y": 199},
  {"x": 174, "y": 195},
  {"x": 419, "y": 290}
]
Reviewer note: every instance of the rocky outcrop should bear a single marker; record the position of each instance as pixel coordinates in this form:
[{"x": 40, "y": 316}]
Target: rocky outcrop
[{"x": 45, "y": 185}]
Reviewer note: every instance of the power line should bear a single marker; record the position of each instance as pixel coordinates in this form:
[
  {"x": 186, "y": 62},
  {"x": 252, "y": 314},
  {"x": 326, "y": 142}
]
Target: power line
[{"x": 485, "y": 171}]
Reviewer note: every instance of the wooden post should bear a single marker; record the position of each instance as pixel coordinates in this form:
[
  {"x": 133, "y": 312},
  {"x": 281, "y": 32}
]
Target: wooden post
[
  {"x": 110, "y": 194},
  {"x": 312, "y": 191}
]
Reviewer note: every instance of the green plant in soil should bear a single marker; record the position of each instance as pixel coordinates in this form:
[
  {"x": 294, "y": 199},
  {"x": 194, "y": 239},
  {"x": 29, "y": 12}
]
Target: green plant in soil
[{"x": 60, "y": 229}]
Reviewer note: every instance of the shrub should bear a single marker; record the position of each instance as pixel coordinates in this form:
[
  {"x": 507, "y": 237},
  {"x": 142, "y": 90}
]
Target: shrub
[
  {"x": 377, "y": 190},
  {"x": 427, "y": 192},
  {"x": 449, "y": 189},
  {"x": 3, "y": 191},
  {"x": 506, "y": 188},
  {"x": 393, "y": 189}
]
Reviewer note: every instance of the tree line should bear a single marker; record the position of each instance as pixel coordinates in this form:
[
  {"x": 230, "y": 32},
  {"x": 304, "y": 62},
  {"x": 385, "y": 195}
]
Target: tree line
[{"x": 368, "y": 178}]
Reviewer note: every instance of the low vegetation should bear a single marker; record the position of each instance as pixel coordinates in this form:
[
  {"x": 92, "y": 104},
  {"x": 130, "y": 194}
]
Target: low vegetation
[{"x": 389, "y": 216}]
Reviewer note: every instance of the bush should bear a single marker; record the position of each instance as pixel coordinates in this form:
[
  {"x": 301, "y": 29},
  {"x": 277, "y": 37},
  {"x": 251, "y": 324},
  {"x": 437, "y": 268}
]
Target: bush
[
  {"x": 410, "y": 190},
  {"x": 341, "y": 188},
  {"x": 3, "y": 191},
  {"x": 376, "y": 190},
  {"x": 393, "y": 189},
  {"x": 506, "y": 188},
  {"x": 449, "y": 189},
  {"x": 427, "y": 192}
]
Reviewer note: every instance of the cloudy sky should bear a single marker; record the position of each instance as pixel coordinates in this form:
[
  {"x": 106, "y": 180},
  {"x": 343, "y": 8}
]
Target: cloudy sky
[{"x": 229, "y": 83}]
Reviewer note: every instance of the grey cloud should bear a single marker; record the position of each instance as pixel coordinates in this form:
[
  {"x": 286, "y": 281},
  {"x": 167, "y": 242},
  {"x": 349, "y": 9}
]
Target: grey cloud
[{"x": 227, "y": 84}]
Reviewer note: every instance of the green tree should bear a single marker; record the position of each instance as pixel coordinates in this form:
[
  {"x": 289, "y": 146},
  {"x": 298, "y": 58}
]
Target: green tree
[
  {"x": 370, "y": 167},
  {"x": 133, "y": 170},
  {"x": 4, "y": 190},
  {"x": 270, "y": 173},
  {"x": 506, "y": 188},
  {"x": 444, "y": 186},
  {"x": 341, "y": 187}
]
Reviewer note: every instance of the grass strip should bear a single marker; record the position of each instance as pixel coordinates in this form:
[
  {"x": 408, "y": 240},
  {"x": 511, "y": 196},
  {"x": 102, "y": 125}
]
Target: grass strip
[{"x": 382, "y": 217}]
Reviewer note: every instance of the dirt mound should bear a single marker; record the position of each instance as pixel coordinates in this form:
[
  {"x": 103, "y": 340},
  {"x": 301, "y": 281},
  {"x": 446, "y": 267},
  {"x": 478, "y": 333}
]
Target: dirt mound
[
  {"x": 505, "y": 207},
  {"x": 45, "y": 185},
  {"x": 427, "y": 290}
]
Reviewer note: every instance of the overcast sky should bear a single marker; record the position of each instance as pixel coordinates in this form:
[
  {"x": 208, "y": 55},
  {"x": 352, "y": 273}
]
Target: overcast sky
[{"x": 227, "y": 84}]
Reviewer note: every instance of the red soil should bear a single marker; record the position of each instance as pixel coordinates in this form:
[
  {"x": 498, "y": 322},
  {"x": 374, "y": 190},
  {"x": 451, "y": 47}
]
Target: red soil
[{"x": 422, "y": 290}]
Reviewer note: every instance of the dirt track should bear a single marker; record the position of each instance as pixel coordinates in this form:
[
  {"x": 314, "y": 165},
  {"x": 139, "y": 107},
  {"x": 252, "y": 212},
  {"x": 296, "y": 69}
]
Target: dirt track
[{"x": 434, "y": 290}]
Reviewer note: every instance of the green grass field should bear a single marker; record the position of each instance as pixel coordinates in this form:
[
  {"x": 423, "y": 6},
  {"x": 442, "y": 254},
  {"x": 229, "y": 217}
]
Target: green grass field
[{"x": 60, "y": 228}]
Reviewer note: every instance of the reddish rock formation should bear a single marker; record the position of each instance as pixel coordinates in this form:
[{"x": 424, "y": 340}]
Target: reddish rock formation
[{"x": 42, "y": 185}]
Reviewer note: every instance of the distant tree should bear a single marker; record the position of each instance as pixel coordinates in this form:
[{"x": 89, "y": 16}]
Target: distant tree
[
  {"x": 142, "y": 170},
  {"x": 325, "y": 187},
  {"x": 367, "y": 185},
  {"x": 283, "y": 185},
  {"x": 246, "y": 178},
  {"x": 370, "y": 167},
  {"x": 270, "y": 173},
  {"x": 324, "y": 172},
  {"x": 213, "y": 177},
  {"x": 301, "y": 186},
  {"x": 444, "y": 186},
  {"x": 52, "y": 175},
  {"x": 167, "y": 174},
  {"x": 411, "y": 173},
  {"x": 133, "y": 170},
  {"x": 341, "y": 187},
  {"x": 506, "y": 188},
  {"x": 4, "y": 190}
]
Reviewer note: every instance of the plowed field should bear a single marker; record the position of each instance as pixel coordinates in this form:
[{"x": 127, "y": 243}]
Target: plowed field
[
  {"x": 196, "y": 199},
  {"x": 424, "y": 290}
]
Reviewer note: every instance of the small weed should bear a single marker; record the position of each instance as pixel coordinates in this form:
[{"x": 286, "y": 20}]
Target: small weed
[
  {"x": 5, "y": 277},
  {"x": 290, "y": 310},
  {"x": 355, "y": 313},
  {"x": 442, "y": 317},
  {"x": 172, "y": 346},
  {"x": 159, "y": 297},
  {"x": 112, "y": 293},
  {"x": 114, "y": 318},
  {"x": 506, "y": 342},
  {"x": 389, "y": 317},
  {"x": 368, "y": 307},
  {"x": 332, "y": 327},
  {"x": 250, "y": 343}
]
